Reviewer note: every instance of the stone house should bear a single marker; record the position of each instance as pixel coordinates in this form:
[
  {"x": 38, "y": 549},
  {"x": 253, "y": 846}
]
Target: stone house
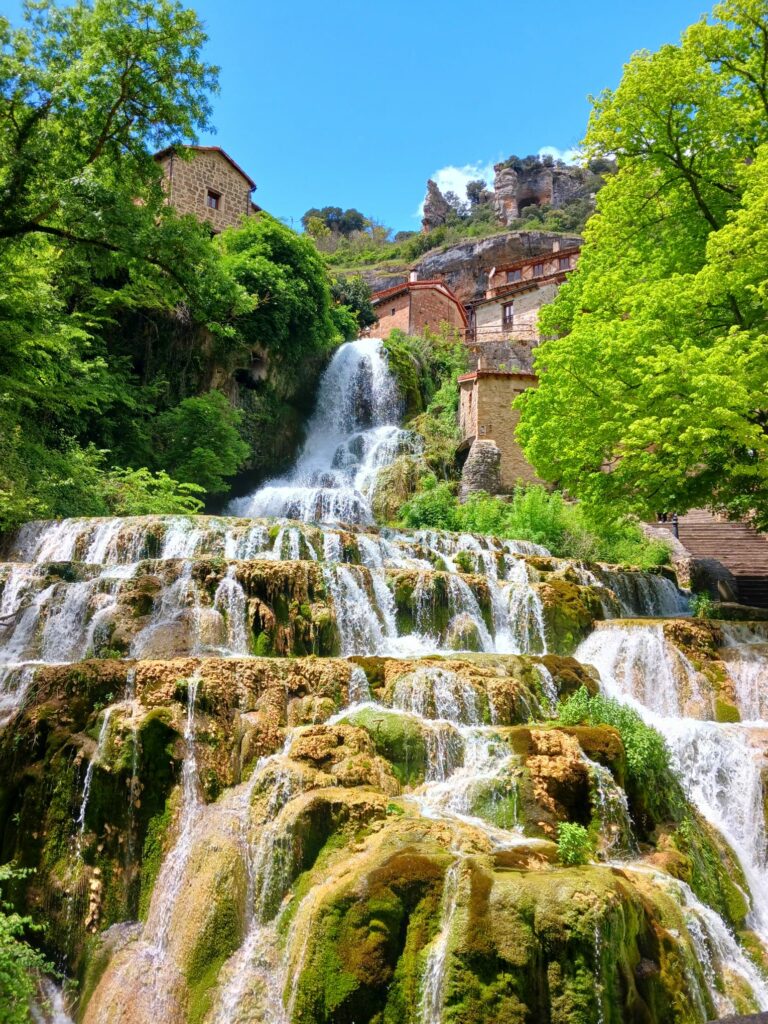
[
  {"x": 502, "y": 336},
  {"x": 414, "y": 306},
  {"x": 207, "y": 183},
  {"x": 515, "y": 294},
  {"x": 487, "y": 421}
]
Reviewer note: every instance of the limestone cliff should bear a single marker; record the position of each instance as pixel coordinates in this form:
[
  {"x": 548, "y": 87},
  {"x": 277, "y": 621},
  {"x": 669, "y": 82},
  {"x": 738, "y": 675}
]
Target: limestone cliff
[
  {"x": 517, "y": 187},
  {"x": 464, "y": 267}
]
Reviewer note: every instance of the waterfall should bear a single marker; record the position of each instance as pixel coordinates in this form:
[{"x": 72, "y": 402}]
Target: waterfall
[
  {"x": 103, "y": 736},
  {"x": 438, "y": 693},
  {"x": 171, "y": 876},
  {"x": 352, "y": 434},
  {"x": 230, "y": 601},
  {"x": 526, "y": 613},
  {"x": 716, "y": 763},
  {"x": 433, "y": 984},
  {"x": 50, "y": 1007},
  {"x": 609, "y": 803}
]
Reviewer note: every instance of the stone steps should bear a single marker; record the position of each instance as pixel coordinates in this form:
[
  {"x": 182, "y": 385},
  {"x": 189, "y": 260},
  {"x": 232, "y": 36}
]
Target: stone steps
[{"x": 740, "y": 548}]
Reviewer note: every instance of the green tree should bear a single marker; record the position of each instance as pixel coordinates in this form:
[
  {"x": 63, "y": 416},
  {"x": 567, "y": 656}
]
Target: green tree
[
  {"x": 20, "y": 963},
  {"x": 199, "y": 442},
  {"x": 355, "y": 293},
  {"x": 288, "y": 279},
  {"x": 654, "y": 395},
  {"x": 86, "y": 93}
]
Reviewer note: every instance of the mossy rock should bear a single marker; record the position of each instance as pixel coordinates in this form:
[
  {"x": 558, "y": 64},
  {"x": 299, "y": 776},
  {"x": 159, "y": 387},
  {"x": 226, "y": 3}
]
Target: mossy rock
[
  {"x": 398, "y": 738},
  {"x": 569, "y": 611}
]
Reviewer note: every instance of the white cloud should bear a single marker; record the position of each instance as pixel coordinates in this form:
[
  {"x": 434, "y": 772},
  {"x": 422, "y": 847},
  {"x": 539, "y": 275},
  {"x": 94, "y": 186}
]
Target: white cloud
[
  {"x": 568, "y": 156},
  {"x": 456, "y": 179}
]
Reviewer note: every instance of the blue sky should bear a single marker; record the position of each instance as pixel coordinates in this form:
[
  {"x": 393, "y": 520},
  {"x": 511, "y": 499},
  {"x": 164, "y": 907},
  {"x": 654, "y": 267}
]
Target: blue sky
[{"x": 350, "y": 103}]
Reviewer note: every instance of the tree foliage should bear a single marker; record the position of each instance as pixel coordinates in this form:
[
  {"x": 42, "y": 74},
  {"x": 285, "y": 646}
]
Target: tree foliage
[
  {"x": 654, "y": 395},
  {"x": 116, "y": 313},
  {"x": 20, "y": 964},
  {"x": 285, "y": 272}
]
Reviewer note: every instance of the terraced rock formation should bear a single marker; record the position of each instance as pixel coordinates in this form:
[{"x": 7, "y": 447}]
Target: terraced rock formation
[{"x": 291, "y": 772}]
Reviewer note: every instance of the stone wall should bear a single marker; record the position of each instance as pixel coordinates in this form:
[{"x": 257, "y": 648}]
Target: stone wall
[
  {"x": 430, "y": 308},
  {"x": 393, "y": 313},
  {"x": 486, "y": 413},
  {"x": 188, "y": 183}
]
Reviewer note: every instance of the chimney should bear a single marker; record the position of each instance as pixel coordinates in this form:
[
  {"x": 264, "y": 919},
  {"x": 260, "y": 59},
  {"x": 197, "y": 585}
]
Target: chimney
[
  {"x": 556, "y": 245},
  {"x": 413, "y": 276}
]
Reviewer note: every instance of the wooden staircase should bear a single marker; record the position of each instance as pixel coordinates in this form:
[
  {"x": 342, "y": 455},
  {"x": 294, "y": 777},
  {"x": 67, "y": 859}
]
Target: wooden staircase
[{"x": 739, "y": 547}]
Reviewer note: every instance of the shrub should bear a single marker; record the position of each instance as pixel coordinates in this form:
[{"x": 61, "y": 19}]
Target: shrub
[
  {"x": 198, "y": 441},
  {"x": 434, "y": 506},
  {"x": 703, "y": 607},
  {"x": 574, "y": 845},
  {"x": 651, "y": 784},
  {"x": 137, "y": 492},
  {"x": 20, "y": 964},
  {"x": 535, "y": 514}
]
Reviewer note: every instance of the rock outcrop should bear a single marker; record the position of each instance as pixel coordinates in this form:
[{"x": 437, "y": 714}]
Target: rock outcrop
[
  {"x": 540, "y": 185},
  {"x": 464, "y": 267},
  {"x": 436, "y": 208}
]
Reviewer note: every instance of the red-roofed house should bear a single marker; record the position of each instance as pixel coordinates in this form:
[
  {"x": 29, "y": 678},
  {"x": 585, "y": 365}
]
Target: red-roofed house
[{"x": 416, "y": 305}]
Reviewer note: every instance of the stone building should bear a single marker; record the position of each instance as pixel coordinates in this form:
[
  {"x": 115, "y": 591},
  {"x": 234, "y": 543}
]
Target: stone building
[
  {"x": 207, "y": 183},
  {"x": 503, "y": 333},
  {"x": 486, "y": 418},
  {"x": 416, "y": 305},
  {"x": 515, "y": 294}
]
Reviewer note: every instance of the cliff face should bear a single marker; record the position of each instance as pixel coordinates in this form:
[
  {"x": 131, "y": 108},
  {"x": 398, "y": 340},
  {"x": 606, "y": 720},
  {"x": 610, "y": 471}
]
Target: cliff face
[
  {"x": 465, "y": 267},
  {"x": 514, "y": 190}
]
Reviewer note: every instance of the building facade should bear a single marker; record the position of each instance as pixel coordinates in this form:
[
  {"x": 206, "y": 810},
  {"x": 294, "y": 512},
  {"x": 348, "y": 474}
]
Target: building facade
[
  {"x": 486, "y": 414},
  {"x": 515, "y": 294},
  {"x": 415, "y": 306},
  {"x": 503, "y": 333},
  {"x": 207, "y": 183}
]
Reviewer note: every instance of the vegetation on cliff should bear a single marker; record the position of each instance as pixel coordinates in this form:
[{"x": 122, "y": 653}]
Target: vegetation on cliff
[
  {"x": 532, "y": 513},
  {"x": 121, "y": 320},
  {"x": 654, "y": 396}
]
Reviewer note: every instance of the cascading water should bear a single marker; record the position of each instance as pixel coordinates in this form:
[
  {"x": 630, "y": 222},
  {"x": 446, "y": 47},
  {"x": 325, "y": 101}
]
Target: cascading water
[
  {"x": 719, "y": 768},
  {"x": 103, "y": 736},
  {"x": 352, "y": 434},
  {"x": 433, "y": 994},
  {"x": 389, "y": 593}
]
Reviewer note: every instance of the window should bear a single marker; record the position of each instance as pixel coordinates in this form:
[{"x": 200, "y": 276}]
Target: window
[
  {"x": 514, "y": 275},
  {"x": 507, "y": 314},
  {"x": 564, "y": 263},
  {"x": 213, "y": 200},
  {"x": 538, "y": 269},
  {"x": 393, "y": 311}
]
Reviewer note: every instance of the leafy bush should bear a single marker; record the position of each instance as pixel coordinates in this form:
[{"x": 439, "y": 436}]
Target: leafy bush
[
  {"x": 20, "y": 963},
  {"x": 199, "y": 442},
  {"x": 426, "y": 370},
  {"x": 138, "y": 492},
  {"x": 574, "y": 845},
  {"x": 536, "y": 514},
  {"x": 651, "y": 784},
  {"x": 703, "y": 607}
]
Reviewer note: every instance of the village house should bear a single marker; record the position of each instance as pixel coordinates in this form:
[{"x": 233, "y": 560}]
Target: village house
[
  {"x": 515, "y": 294},
  {"x": 414, "y": 306},
  {"x": 207, "y": 183},
  {"x": 503, "y": 333}
]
